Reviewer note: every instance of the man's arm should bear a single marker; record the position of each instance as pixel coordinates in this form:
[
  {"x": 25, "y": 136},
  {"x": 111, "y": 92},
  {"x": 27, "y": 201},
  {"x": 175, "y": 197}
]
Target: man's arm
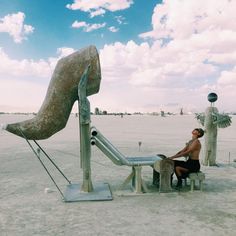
[
  {"x": 183, "y": 150},
  {"x": 192, "y": 147}
]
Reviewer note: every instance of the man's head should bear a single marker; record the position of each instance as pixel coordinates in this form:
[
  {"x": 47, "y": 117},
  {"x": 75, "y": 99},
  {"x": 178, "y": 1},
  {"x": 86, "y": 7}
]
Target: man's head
[{"x": 200, "y": 132}]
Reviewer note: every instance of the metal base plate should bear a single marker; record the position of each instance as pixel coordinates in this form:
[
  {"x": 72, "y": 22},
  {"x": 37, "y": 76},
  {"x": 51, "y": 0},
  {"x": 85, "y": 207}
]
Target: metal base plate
[{"x": 101, "y": 192}]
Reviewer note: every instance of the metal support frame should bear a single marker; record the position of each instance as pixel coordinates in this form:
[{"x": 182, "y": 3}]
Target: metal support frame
[
  {"x": 137, "y": 183},
  {"x": 87, "y": 191},
  {"x": 37, "y": 154},
  {"x": 84, "y": 123}
]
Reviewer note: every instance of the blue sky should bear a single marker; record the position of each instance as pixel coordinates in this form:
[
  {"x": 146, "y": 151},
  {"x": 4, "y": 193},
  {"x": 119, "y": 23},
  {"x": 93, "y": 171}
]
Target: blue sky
[
  {"x": 52, "y": 22},
  {"x": 154, "y": 55}
]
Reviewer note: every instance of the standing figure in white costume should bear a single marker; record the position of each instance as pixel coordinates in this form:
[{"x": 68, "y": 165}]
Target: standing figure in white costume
[{"x": 211, "y": 120}]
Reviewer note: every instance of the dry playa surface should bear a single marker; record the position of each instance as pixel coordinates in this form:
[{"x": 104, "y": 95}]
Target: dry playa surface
[{"x": 31, "y": 205}]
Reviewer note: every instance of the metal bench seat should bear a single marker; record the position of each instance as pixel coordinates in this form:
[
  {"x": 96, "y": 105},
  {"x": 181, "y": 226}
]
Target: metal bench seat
[
  {"x": 118, "y": 158},
  {"x": 143, "y": 161}
]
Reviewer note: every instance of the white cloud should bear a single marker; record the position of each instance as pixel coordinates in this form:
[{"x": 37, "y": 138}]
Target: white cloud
[
  {"x": 13, "y": 24},
  {"x": 149, "y": 78},
  {"x": 79, "y": 24},
  {"x": 113, "y": 29},
  {"x": 199, "y": 26},
  {"x": 228, "y": 78},
  {"x": 22, "y": 68},
  {"x": 99, "y": 12},
  {"x": 87, "y": 27},
  {"x": 190, "y": 49},
  {"x": 192, "y": 53},
  {"x": 111, "y": 5},
  {"x": 149, "y": 66},
  {"x": 191, "y": 17},
  {"x": 65, "y": 51},
  {"x": 95, "y": 7},
  {"x": 12, "y": 68},
  {"x": 24, "y": 82},
  {"x": 20, "y": 95},
  {"x": 120, "y": 19}
]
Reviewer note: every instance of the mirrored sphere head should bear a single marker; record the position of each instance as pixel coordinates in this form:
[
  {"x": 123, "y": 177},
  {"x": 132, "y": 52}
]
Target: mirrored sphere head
[{"x": 212, "y": 97}]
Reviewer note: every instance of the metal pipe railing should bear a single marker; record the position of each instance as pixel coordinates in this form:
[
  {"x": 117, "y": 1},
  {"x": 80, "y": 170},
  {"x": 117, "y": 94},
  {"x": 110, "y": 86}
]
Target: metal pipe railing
[
  {"x": 115, "y": 155},
  {"x": 106, "y": 151},
  {"x": 109, "y": 146}
]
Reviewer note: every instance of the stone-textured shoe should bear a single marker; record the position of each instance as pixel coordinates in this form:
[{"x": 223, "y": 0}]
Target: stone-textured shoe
[{"x": 61, "y": 95}]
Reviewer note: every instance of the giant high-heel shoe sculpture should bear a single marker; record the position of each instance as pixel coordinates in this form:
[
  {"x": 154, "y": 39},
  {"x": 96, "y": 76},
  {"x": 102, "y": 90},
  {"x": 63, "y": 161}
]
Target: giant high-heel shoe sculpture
[{"x": 61, "y": 95}]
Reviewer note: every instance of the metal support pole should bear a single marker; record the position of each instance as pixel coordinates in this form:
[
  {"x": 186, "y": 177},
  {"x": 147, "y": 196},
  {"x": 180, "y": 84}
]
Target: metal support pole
[
  {"x": 84, "y": 123},
  {"x": 86, "y": 191}
]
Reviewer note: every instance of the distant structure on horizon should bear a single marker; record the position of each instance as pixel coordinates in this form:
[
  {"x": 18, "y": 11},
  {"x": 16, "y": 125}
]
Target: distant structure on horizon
[
  {"x": 162, "y": 113},
  {"x": 96, "y": 111}
]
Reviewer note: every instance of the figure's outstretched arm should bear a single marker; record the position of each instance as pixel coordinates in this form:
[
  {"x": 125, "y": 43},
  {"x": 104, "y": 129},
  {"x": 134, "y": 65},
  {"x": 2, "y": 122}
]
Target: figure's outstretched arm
[
  {"x": 222, "y": 120},
  {"x": 200, "y": 117}
]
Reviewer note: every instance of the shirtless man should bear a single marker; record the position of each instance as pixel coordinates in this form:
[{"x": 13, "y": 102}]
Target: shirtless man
[{"x": 191, "y": 151}]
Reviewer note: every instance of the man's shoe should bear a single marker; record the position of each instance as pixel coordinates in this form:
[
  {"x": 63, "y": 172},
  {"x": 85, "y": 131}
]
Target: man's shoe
[{"x": 179, "y": 184}]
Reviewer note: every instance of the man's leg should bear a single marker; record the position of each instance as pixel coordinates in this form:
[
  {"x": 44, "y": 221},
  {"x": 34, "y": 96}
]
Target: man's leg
[{"x": 179, "y": 171}]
